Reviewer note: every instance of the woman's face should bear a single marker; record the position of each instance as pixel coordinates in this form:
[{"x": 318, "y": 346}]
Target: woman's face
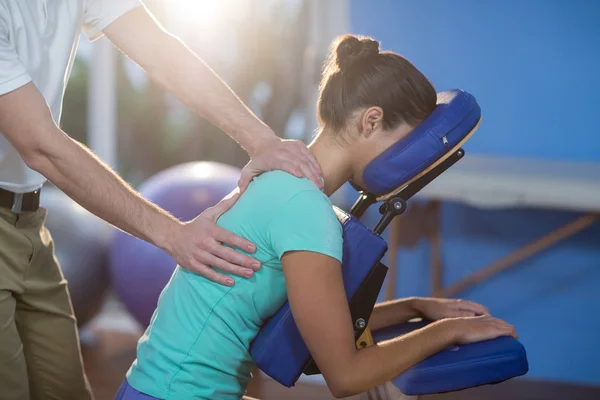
[{"x": 369, "y": 139}]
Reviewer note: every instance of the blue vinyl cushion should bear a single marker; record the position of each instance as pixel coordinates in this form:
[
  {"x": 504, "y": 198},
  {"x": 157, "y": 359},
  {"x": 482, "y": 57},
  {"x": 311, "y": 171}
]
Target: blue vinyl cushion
[
  {"x": 459, "y": 367},
  {"x": 456, "y": 114},
  {"x": 279, "y": 350}
]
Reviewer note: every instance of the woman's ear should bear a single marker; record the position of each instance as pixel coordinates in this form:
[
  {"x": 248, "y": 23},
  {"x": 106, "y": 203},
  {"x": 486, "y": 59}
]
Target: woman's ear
[{"x": 371, "y": 121}]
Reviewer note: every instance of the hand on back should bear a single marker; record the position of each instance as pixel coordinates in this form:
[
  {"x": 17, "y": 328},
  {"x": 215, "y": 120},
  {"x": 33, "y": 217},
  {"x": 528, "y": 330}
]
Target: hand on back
[{"x": 199, "y": 245}]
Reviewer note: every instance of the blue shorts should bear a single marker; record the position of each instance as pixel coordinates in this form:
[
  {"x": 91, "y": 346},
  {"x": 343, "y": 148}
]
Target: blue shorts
[{"x": 126, "y": 392}]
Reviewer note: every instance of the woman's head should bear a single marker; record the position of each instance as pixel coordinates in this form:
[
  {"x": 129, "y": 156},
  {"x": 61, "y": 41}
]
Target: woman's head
[{"x": 369, "y": 99}]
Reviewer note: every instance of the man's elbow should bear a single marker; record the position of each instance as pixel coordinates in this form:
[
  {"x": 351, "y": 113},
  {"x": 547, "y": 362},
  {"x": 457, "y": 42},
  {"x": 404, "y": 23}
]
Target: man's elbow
[
  {"x": 38, "y": 153},
  {"x": 34, "y": 156}
]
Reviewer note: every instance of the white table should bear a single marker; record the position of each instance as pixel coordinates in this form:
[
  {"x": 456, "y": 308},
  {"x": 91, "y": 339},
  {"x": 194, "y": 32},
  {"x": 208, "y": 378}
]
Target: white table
[
  {"x": 497, "y": 182},
  {"x": 484, "y": 181}
]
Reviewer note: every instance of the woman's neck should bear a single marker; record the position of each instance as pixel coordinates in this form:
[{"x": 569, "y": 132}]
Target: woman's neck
[{"x": 334, "y": 161}]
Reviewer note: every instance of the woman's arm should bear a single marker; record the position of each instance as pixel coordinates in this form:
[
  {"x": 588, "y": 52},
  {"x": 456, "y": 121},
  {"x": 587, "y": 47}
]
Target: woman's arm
[
  {"x": 394, "y": 312},
  {"x": 318, "y": 302},
  {"x": 402, "y": 310}
]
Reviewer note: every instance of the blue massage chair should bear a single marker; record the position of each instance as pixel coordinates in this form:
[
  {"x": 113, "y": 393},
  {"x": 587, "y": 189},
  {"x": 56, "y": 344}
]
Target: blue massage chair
[{"x": 392, "y": 179}]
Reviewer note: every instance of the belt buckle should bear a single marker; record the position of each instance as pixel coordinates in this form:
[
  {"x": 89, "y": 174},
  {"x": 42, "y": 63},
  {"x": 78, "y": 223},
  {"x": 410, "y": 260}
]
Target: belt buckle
[{"x": 17, "y": 205}]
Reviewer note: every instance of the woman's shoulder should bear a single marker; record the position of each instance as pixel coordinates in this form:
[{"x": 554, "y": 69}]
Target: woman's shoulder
[
  {"x": 282, "y": 186},
  {"x": 279, "y": 195},
  {"x": 284, "y": 180}
]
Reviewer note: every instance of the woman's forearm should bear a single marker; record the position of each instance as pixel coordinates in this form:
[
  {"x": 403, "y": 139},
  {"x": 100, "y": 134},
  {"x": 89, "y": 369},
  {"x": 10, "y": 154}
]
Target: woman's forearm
[
  {"x": 380, "y": 363},
  {"x": 394, "y": 312}
]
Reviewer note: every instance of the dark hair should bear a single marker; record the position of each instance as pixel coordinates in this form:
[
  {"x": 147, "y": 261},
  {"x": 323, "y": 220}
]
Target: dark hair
[{"x": 357, "y": 75}]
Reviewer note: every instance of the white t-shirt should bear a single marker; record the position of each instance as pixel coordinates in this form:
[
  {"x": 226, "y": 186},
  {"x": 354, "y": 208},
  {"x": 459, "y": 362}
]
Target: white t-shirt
[{"x": 38, "y": 42}]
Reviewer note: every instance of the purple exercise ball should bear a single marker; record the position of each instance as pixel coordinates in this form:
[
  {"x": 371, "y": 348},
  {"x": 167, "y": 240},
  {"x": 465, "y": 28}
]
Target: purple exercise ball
[{"x": 139, "y": 270}]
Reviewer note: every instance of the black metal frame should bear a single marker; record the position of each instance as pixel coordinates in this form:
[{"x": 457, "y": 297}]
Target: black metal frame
[{"x": 362, "y": 303}]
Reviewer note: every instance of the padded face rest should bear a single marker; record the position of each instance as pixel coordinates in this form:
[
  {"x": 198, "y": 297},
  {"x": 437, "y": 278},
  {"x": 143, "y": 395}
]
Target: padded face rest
[
  {"x": 459, "y": 367},
  {"x": 279, "y": 350},
  {"x": 456, "y": 114}
]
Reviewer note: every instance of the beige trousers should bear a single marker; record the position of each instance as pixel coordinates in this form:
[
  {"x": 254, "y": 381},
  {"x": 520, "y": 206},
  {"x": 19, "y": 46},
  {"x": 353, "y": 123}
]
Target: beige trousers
[{"x": 39, "y": 345}]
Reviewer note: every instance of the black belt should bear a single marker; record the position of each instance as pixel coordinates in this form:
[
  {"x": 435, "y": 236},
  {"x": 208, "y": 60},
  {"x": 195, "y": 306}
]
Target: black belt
[{"x": 18, "y": 202}]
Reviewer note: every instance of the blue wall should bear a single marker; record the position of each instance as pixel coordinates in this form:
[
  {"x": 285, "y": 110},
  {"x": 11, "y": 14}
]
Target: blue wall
[{"x": 534, "y": 67}]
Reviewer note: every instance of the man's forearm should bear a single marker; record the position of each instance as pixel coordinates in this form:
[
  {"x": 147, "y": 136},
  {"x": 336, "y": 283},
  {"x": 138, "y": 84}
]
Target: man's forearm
[
  {"x": 171, "y": 64},
  {"x": 75, "y": 170}
]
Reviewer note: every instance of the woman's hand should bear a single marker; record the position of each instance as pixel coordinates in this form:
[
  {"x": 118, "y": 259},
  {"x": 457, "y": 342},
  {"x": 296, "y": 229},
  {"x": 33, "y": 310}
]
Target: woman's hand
[
  {"x": 434, "y": 308},
  {"x": 291, "y": 156},
  {"x": 465, "y": 330}
]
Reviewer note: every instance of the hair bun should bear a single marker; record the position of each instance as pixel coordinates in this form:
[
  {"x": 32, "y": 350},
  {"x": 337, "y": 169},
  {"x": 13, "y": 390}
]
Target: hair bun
[{"x": 351, "y": 49}]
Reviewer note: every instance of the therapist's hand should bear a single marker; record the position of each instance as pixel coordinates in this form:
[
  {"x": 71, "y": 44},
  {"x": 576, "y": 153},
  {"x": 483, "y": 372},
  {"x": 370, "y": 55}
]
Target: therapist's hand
[
  {"x": 198, "y": 245},
  {"x": 291, "y": 156},
  {"x": 434, "y": 308}
]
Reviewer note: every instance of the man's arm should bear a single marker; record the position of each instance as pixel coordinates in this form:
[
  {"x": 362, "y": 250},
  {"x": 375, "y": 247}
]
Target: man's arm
[
  {"x": 174, "y": 66},
  {"x": 318, "y": 302},
  {"x": 26, "y": 122}
]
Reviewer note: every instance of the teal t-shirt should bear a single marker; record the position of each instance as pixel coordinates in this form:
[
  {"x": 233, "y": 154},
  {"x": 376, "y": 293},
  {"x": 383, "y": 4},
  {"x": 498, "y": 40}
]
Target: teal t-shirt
[{"x": 197, "y": 344}]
